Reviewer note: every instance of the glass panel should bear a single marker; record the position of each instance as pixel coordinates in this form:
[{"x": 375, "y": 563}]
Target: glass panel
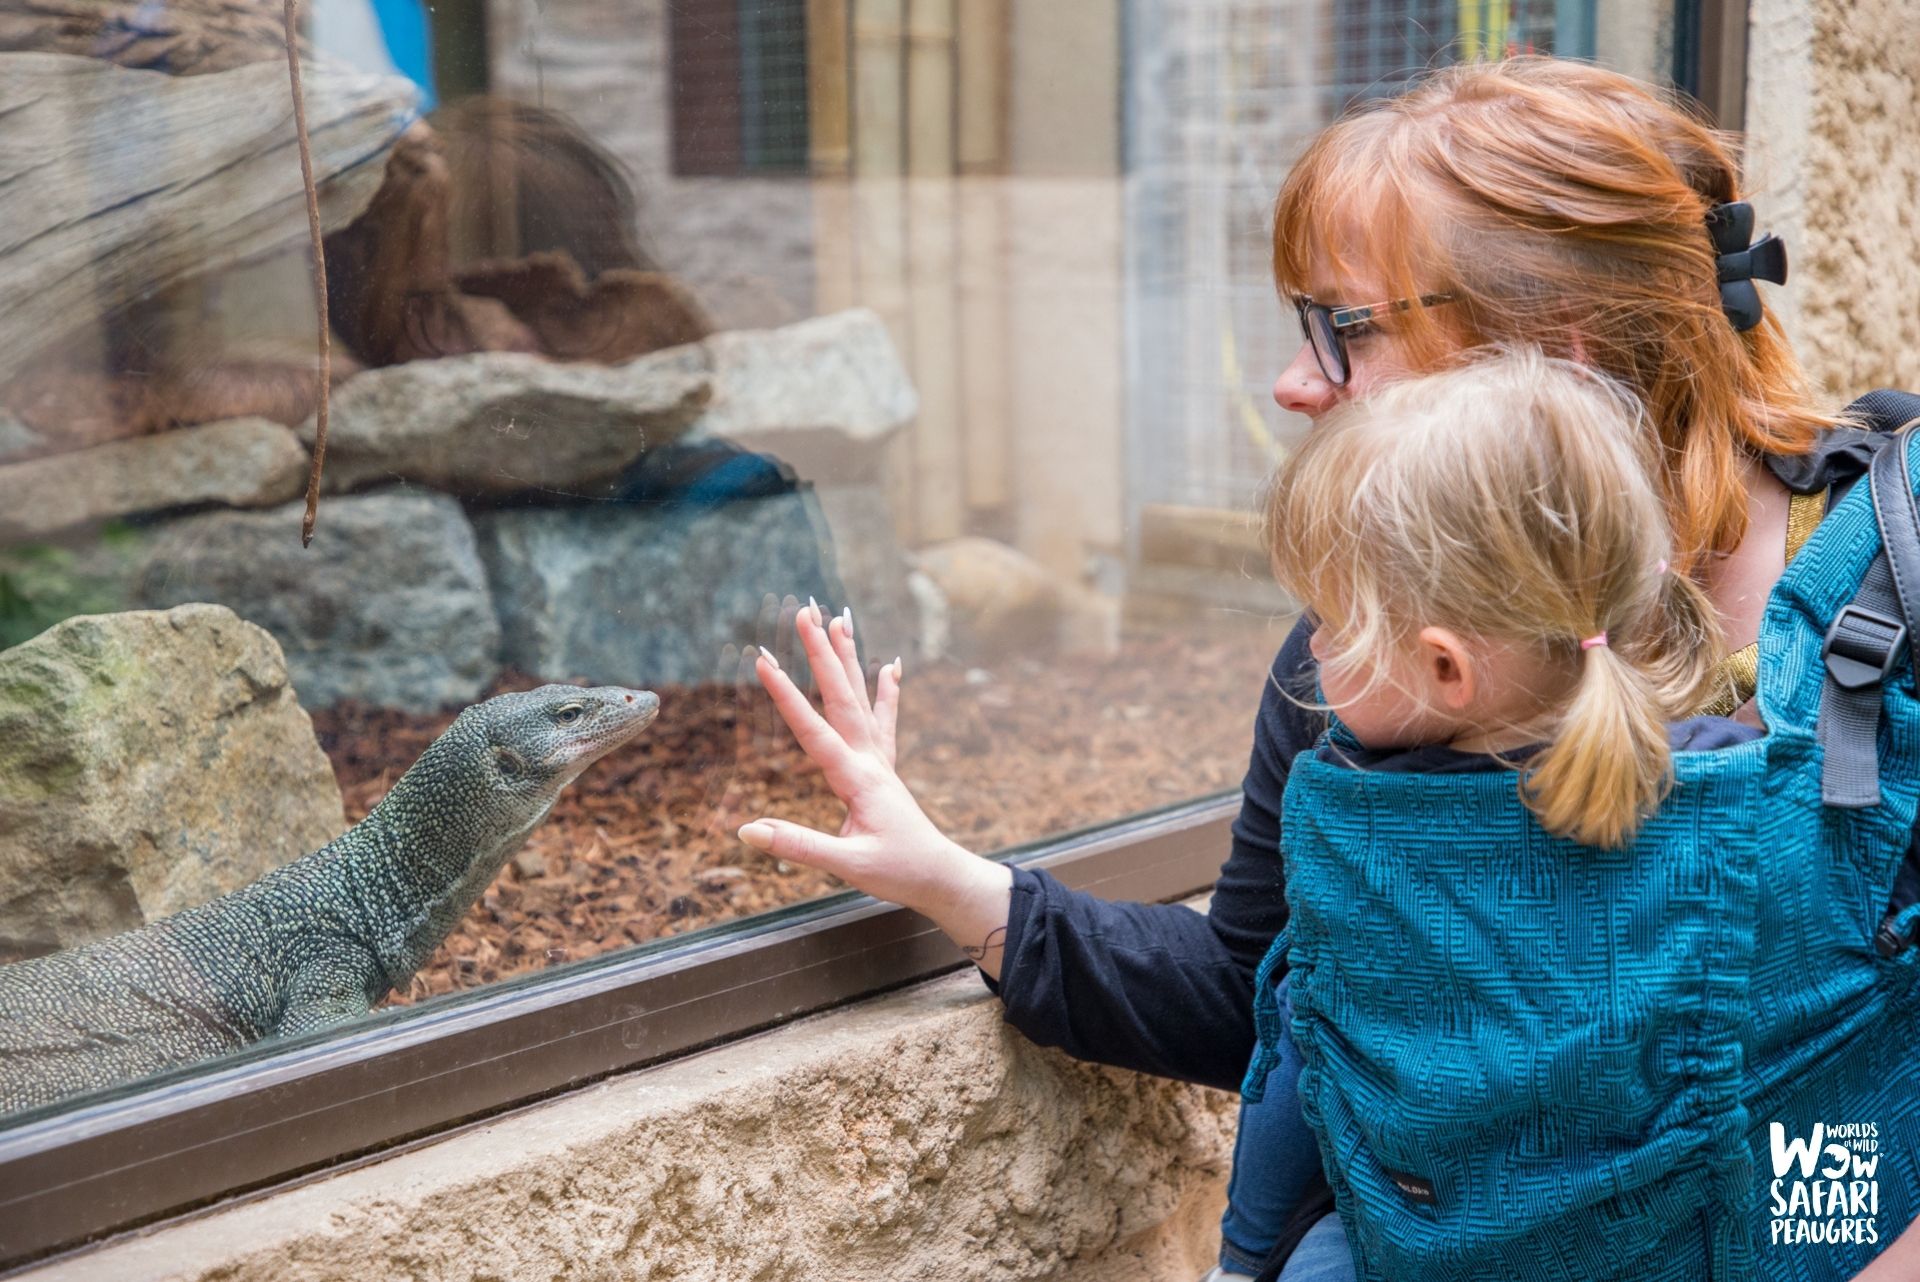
[{"x": 648, "y": 322}]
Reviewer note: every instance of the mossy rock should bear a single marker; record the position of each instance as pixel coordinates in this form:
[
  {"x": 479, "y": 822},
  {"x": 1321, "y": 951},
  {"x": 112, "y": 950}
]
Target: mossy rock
[{"x": 149, "y": 761}]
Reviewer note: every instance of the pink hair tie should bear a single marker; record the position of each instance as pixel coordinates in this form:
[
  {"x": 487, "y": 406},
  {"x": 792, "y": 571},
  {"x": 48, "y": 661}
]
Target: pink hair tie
[{"x": 1598, "y": 638}]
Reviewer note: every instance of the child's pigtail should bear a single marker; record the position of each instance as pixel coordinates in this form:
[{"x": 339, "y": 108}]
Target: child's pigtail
[{"x": 1610, "y": 764}]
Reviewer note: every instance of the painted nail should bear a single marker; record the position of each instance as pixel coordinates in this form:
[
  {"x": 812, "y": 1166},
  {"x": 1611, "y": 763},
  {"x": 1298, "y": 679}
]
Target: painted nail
[
  {"x": 768, "y": 656},
  {"x": 814, "y": 606},
  {"x": 848, "y": 615},
  {"x": 898, "y": 670}
]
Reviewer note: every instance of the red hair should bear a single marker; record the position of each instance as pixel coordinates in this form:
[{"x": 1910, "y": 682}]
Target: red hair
[{"x": 1565, "y": 205}]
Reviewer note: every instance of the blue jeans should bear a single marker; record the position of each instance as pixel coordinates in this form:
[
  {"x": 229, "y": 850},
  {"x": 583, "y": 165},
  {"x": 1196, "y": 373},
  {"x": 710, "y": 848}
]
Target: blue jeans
[
  {"x": 1275, "y": 1157},
  {"x": 1322, "y": 1256}
]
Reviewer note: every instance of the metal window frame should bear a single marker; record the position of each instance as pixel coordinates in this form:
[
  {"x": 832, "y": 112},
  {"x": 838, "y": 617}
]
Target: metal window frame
[
  {"x": 101, "y": 1168},
  {"x": 1710, "y": 57}
]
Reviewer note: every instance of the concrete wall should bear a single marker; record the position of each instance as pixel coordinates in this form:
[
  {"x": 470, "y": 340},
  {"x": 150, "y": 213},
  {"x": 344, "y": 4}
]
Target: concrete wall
[
  {"x": 913, "y": 1136},
  {"x": 1833, "y": 114}
]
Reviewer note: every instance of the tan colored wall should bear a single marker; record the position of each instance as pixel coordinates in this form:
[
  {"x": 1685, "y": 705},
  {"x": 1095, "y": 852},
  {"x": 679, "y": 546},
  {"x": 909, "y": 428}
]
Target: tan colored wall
[
  {"x": 1833, "y": 109},
  {"x": 913, "y": 1136}
]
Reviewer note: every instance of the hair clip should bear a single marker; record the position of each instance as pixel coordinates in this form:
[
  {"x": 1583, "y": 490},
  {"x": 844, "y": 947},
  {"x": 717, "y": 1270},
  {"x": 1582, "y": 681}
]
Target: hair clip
[{"x": 1743, "y": 260}]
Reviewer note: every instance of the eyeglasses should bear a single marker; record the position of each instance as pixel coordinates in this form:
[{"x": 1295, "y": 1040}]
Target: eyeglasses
[{"x": 1326, "y": 328}]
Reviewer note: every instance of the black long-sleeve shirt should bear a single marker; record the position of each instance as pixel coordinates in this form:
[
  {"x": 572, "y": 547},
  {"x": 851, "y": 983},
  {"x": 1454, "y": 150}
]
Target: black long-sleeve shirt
[
  {"x": 1158, "y": 987},
  {"x": 1168, "y": 991}
]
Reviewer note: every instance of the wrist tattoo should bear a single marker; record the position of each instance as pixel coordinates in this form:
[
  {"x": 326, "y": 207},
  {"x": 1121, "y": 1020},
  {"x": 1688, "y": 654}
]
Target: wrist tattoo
[{"x": 995, "y": 938}]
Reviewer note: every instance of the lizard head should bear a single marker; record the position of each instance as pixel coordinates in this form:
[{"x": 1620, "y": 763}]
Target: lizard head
[{"x": 540, "y": 740}]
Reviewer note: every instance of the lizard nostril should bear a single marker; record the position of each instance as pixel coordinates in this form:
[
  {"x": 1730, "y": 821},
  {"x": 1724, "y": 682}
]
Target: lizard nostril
[{"x": 629, "y": 698}]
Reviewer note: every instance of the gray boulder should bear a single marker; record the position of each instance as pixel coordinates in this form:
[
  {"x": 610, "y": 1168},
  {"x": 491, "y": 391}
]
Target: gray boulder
[
  {"x": 503, "y": 422},
  {"x": 649, "y": 594},
  {"x": 148, "y": 762},
  {"x": 390, "y": 604},
  {"x": 245, "y": 462}
]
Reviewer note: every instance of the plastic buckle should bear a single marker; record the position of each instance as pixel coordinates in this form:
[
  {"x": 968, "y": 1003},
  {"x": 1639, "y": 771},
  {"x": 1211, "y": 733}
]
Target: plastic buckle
[
  {"x": 1857, "y": 659},
  {"x": 1892, "y": 938}
]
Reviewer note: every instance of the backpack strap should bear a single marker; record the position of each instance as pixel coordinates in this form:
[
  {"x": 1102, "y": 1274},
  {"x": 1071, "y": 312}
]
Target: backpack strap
[{"x": 1867, "y": 637}]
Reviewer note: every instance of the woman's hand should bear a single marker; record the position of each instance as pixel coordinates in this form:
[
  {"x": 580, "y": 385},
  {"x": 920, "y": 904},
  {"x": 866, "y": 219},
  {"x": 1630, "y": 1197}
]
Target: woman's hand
[{"x": 887, "y": 847}]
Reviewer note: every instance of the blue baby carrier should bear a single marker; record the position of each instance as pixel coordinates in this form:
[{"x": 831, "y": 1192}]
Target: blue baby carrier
[{"x": 1683, "y": 1060}]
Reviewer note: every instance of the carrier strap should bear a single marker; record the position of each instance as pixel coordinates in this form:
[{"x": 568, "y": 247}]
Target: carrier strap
[{"x": 1868, "y": 636}]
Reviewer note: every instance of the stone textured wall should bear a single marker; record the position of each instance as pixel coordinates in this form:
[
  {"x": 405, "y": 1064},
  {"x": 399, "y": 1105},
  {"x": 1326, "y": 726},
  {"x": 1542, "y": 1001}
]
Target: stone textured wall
[
  {"x": 1833, "y": 112},
  {"x": 912, "y": 1136}
]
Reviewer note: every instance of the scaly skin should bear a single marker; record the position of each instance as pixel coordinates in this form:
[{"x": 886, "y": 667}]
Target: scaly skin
[{"x": 322, "y": 939}]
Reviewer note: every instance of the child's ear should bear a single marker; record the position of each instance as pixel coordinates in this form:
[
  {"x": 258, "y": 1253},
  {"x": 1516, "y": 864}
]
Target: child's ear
[{"x": 1449, "y": 668}]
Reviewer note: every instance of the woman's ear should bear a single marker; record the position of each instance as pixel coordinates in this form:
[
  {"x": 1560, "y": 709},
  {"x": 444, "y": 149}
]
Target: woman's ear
[{"x": 1448, "y": 667}]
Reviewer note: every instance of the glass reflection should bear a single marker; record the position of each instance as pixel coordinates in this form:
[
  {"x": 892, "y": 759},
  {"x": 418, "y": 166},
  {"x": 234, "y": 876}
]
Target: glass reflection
[{"x": 649, "y": 323}]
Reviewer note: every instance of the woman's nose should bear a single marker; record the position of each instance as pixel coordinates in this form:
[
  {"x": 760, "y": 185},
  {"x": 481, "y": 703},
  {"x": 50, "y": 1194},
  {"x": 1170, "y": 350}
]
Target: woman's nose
[{"x": 1302, "y": 387}]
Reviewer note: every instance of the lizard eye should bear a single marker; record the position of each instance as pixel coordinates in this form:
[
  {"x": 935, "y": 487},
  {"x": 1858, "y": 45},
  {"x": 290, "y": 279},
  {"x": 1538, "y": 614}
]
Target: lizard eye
[{"x": 569, "y": 714}]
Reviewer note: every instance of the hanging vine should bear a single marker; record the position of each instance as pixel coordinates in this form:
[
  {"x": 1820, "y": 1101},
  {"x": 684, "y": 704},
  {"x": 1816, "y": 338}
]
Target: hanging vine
[{"x": 291, "y": 14}]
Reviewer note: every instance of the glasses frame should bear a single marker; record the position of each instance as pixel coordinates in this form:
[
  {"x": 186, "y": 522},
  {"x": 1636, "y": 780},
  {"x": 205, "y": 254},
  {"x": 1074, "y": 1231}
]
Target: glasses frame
[{"x": 1325, "y": 327}]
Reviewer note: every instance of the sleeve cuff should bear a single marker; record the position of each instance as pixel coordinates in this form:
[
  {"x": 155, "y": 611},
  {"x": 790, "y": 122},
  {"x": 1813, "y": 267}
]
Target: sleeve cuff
[{"x": 1029, "y": 897}]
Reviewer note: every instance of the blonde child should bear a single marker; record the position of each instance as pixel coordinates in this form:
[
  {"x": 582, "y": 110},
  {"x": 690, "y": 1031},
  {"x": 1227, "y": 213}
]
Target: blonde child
[{"x": 1485, "y": 559}]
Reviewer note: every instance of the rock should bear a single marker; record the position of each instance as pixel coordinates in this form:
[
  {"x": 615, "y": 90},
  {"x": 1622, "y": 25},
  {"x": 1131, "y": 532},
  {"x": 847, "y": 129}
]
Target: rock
[
  {"x": 495, "y": 423},
  {"x": 824, "y": 395},
  {"x": 647, "y": 594},
  {"x": 998, "y": 600},
  {"x": 838, "y": 372},
  {"x": 246, "y": 462},
  {"x": 390, "y": 604},
  {"x": 148, "y": 762}
]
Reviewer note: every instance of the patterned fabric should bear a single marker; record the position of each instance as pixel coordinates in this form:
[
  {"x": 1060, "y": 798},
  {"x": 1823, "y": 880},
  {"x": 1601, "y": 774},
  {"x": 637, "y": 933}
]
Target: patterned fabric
[{"x": 1527, "y": 1058}]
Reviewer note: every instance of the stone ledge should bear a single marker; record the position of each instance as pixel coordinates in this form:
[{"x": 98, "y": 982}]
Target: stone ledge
[{"x": 912, "y": 1135}]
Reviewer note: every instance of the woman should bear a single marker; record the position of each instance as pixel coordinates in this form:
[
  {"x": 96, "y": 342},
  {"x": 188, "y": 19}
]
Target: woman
[{"x": 1531, "y": 200}]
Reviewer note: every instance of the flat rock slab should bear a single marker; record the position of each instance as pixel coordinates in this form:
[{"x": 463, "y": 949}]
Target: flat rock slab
[
  {"x": 497, "y": 423},
  {"x": 246, "y": 462},
  {"x": 838, "y": 372},
  {"x": 823, "y": 395},
  {"x": 390, "y": 604},
  {"x": 644, "y": 594},
  {"x": 149, "y": 761}
]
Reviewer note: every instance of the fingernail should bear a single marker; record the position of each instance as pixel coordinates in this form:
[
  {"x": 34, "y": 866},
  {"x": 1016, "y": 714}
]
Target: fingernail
[
  {"x": 898, "y": 670},
  {"x": 814, "y": 605},
  {"x": 757, "y": 835},
  {"x": 768, "y": 656},
  {"x": 848, "y": 615}
]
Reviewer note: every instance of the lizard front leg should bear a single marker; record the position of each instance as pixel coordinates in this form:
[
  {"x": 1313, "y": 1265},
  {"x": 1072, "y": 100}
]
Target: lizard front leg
[{"x": 331, "y": 987}]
